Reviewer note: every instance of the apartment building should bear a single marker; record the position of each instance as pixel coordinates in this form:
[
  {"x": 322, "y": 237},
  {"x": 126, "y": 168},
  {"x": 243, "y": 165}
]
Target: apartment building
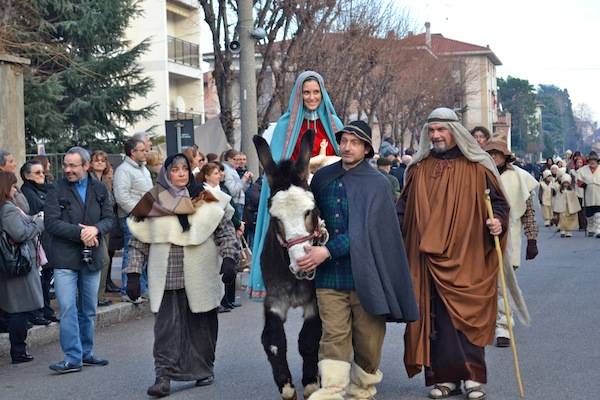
[
  {"x": 475, "y": 66},
  {"x": 173, "y": 61}
]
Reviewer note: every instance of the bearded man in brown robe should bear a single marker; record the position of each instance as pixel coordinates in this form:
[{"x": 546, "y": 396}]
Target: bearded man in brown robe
[{"x": 451, "y": 254}]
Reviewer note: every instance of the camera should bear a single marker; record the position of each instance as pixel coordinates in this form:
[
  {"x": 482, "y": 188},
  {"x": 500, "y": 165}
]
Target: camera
[{"x": 86, "y": 255}]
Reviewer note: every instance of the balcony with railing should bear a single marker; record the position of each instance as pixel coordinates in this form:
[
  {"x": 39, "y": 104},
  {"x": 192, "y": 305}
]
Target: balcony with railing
[
  {"x": 197, "y": 118},
  {"x": 183, "y": 52}
]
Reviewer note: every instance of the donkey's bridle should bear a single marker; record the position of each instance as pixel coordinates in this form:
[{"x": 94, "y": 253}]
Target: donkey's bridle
[{"x": 286, "y": 244}]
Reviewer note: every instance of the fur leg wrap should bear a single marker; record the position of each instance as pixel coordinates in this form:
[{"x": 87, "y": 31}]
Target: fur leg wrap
[
  {"x": 288, "y": 392},
  {"x": 362, "y": 384},
  {"x": 335, "y": 377},
  {"x": 310, "y": 389}
]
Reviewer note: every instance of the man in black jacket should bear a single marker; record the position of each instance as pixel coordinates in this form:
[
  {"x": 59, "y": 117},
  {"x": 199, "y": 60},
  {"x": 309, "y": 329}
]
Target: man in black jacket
[{"x": 77, "y": 213}]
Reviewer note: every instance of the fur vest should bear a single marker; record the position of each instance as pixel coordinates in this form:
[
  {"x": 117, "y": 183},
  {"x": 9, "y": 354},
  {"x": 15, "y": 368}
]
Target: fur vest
[
  {"x": 546, "y": 195},
  {"x": 201, "y": 260},
  {"x": 566, "y": 202}
]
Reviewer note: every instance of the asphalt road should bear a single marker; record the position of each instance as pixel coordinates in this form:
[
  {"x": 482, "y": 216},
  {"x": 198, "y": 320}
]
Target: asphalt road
[{"x": 559, "y": 352}]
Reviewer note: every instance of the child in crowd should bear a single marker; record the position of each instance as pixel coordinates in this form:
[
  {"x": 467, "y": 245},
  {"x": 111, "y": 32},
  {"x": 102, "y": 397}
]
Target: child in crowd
[
  {"x": 545, "y": 196},
  {"x": 566, "y": 204}
]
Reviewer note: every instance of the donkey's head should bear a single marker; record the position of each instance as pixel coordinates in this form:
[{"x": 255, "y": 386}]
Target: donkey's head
[{"x": 291, "y": 205}]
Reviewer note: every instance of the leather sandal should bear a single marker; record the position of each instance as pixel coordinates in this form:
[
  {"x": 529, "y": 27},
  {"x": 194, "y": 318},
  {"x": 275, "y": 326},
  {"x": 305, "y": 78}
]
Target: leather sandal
[
  {"x": 473, "y": 390},
  {"x": 445, "y": 391}
]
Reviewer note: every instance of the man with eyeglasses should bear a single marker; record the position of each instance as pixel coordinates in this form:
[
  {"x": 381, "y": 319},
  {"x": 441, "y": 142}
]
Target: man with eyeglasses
[
  {"x": 131, "y": 181},
  {"x": 77, "y": 214}
]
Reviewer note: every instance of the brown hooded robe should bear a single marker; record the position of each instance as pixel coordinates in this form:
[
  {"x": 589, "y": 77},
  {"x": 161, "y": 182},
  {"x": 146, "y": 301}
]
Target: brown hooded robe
[{"x": 449, "y": 245}]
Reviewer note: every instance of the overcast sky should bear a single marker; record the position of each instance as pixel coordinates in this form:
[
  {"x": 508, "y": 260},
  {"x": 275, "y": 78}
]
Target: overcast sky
[{"x": 535, "y": 40}]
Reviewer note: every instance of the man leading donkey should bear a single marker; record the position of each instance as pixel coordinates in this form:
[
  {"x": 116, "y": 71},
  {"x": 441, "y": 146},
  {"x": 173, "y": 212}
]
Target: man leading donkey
[{"x": 362, "y": 276}]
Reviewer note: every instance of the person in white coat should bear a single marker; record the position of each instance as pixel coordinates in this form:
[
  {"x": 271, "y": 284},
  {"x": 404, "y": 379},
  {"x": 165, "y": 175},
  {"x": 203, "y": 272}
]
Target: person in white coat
[
  {"x": 589, "y": 179},
  {"x": 545, "y": 196},
  {"x": 518, "y": 185}
]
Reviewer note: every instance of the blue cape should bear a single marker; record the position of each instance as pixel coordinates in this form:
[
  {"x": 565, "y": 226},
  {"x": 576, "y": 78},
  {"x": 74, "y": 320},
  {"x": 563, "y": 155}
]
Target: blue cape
[{"x": 285, "y": 137}]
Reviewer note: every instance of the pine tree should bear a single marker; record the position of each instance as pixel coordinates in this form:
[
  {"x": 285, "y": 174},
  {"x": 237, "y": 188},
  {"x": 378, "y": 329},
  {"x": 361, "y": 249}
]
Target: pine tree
[
  {"x": 560, "y": 131},
  {"x": 518, "y": 97},
  {"x": 81, "y": 93}
]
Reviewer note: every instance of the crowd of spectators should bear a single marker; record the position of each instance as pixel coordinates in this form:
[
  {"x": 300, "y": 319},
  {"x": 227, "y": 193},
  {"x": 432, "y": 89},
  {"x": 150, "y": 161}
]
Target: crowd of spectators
[{"x": 71, "y": 228}]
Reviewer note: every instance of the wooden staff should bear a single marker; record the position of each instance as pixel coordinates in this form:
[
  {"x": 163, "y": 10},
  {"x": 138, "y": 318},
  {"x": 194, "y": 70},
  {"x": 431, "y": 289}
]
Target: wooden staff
[{"x": 513, "y": 343}]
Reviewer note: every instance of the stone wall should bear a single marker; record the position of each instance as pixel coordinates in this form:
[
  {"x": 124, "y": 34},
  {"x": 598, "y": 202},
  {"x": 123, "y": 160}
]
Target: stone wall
[{"x": 12, "y": 118}]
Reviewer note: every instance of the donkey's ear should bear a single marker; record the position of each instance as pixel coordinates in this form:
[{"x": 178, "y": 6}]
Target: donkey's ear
[
  {"x": 306, "y": 148},
  {"x": 264, "y": 154}
]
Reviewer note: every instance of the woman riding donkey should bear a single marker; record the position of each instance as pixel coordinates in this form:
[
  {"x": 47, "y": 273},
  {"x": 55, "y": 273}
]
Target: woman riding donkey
[{"x": 309, "y": 108}]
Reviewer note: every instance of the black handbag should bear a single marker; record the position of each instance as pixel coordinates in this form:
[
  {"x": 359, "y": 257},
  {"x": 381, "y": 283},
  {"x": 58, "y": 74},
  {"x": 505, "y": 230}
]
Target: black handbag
[{"x": 13, "y": 263}]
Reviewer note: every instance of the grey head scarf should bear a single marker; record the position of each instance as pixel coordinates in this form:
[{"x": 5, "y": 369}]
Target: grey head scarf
[{"x": 467, "y": 145}]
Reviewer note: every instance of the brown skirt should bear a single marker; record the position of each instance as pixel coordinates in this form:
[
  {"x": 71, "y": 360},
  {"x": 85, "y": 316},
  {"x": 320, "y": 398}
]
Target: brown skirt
[
  {"x": 568, "y": 222},
  {"x": 453, "y": 357},
  {"x": 547, "y": 211},
  {"x": 184, "y": 342}
]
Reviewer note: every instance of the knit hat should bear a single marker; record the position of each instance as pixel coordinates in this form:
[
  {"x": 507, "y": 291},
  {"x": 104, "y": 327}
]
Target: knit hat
[
  {"x": 546, "y": 173},
  {"x": 565, "y": 178},
  {"x": 361, "y": 130}
]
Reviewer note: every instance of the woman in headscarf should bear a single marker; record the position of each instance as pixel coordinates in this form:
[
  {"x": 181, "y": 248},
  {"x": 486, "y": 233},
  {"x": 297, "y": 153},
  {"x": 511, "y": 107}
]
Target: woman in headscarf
[
  {"x": 309, "y": 108},
  {"x": 182, "y": 232}
]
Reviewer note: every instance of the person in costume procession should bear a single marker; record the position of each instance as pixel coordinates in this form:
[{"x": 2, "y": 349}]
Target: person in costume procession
[
  {"x": 578, "y": 162},
  {"x": 452, "y": 258},
  {"x": 518, "y": 186},
  {"x": 309, "y": 108},
  {"x": 567, "y": 206},
  {"x": 554, "y": 170},
  {"x": 545, "y": 196},
  {"x": 182, "y": 231},
  {"x": 362, "y": 278},
  {"x": 589, "y": 179}
]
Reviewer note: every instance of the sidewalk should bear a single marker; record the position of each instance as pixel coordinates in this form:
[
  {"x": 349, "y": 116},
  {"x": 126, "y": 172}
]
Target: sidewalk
[{"x": 106, "y": 316}]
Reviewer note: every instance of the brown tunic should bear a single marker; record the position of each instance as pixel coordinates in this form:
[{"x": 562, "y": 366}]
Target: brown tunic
[{"x": 449, "y": 245}]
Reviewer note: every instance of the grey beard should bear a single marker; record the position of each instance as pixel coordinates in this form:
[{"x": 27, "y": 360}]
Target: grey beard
[{"x": 438, "y": 151}]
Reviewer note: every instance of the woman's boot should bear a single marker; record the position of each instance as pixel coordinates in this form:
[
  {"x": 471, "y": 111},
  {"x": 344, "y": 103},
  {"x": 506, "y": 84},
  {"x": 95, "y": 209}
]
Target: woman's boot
[{"x": 161, "y": 387}]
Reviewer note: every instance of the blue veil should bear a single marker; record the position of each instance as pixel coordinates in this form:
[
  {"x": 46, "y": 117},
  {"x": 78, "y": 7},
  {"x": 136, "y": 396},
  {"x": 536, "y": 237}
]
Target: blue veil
[{"x": 285, "y": 137}]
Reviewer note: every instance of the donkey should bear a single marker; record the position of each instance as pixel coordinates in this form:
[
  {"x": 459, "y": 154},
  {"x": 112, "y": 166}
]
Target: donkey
[{"x": 294, "y": 223}]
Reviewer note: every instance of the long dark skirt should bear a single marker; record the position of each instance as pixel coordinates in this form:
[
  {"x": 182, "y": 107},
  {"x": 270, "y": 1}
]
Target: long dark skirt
[
  {"x": 184, "y": 342},
  {"x": 581, "y": 216},
  {"x": 453, "y": 357}
]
